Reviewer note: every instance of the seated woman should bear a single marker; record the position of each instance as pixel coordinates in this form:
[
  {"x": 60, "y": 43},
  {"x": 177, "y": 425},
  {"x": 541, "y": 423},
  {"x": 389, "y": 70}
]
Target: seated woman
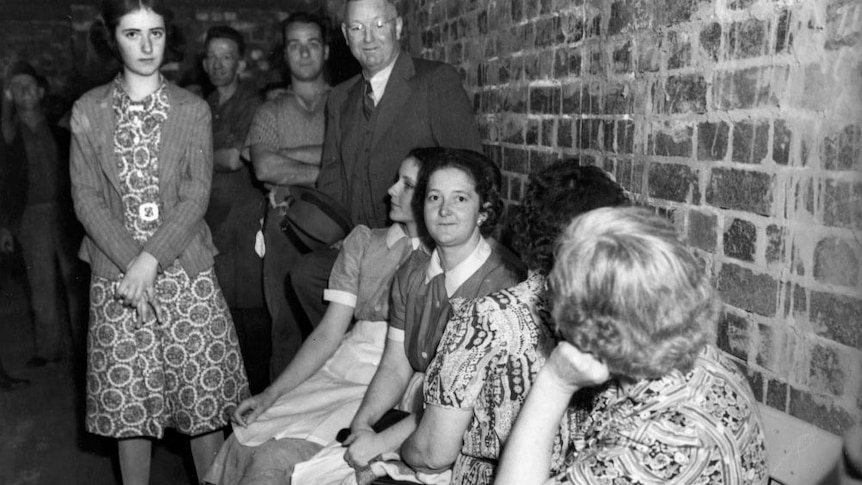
[
  {"x": 636, "y": 309},
  {"x": 320, "y": 390},
  {"x": 494, "y": 346},
  {"x": 458, "y": 193}
]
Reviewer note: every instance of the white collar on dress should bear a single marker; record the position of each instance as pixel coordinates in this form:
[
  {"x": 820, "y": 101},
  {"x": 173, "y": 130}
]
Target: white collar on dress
[
  {"x": 396, "y": 233},
  {"x": 456, "y": 276}
]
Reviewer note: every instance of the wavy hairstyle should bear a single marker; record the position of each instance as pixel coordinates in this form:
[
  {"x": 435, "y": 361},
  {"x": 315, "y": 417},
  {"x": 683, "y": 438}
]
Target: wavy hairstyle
[
  {"x": 484, "y": 173},
  {"x": 556, "y": 195},
  {"x": 629, "y": 292},
  {"x": 103, "y": 29}
]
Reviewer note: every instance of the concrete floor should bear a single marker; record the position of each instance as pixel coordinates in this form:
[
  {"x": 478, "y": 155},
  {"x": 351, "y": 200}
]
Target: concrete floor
[{"x": 41, "y": 441}]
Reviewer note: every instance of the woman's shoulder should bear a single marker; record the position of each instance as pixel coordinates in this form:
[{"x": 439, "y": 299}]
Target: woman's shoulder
[
  {"x": 85, "y": 111},
  {"x": 521, "y": 297},
  {"x": 95, "y": 95},
  {"x": 359, "y": 236}
]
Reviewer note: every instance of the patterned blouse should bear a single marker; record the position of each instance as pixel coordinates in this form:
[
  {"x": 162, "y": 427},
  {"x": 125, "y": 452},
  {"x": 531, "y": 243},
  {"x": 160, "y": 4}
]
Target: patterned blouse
[
  {"x": 137, "y": 138},
  {"x": 696, "y": 428},
  {"x": 489, "y": 356}
]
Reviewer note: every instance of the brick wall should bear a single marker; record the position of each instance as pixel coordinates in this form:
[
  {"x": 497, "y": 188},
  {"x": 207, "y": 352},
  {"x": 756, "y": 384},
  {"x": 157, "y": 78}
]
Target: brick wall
[{"x": 741, "y": 119}]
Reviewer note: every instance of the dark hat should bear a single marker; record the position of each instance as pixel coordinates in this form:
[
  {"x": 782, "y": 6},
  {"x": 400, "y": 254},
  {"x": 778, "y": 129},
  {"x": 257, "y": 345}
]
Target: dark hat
[
  {"x": 21, "y": 67},
  {"x": 314, "y": 220}
]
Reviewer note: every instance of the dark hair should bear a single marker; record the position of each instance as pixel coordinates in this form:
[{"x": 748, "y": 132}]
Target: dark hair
[
  {"x": 306, "y": 18},
  {"x": 485, "y": 174},
  {"x": 103, "y": 29},
  {"x": 555, "y": 196},
  {"x": 225, "y": 32}
]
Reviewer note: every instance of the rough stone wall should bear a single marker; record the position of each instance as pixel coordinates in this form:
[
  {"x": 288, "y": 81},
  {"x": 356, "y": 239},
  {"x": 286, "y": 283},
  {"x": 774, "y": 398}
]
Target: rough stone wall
[
  {"x": 738, "y": 118},
  {"x": 741, "y": 119}
]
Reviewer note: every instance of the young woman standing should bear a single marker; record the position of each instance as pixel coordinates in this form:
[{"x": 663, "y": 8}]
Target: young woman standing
[{"x": 162, "y": 350}]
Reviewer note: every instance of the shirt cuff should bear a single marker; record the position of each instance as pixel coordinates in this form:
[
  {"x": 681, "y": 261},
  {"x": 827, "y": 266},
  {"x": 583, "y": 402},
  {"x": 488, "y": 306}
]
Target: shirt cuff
[
  {"x": 338, "y": 296},
  {"x": 395, "y": 334}
]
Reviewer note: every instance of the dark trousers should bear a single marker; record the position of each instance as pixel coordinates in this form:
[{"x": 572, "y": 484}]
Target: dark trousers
[
  {"x": 254, "y": 333},
  {"x": 293, "y": 287},
  {"x": 56, "y": 281},
  {"x": 279, "y": 259}
]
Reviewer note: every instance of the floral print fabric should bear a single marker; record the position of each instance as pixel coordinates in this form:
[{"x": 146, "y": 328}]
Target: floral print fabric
[
  {"x": 487, "y": 360},
  {"x": 184, "y": 372},
  {"x": 701, "y": 427}
]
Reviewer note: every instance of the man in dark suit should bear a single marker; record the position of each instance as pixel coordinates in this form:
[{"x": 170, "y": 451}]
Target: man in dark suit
[{"x": 374, "y": 119}]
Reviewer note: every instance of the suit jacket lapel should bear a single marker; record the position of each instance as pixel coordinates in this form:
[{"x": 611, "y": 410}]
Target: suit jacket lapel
[
  {"x": 352, "y": 122},
  {"x": 396, "y": 94}
]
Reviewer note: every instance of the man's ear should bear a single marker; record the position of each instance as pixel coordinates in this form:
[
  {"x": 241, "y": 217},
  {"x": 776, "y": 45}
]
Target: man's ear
[
  {"x": 241, "y": 65},
  {"x": 325, "y": 52},
  {"x": 344, "y": 33},
  {"x": 399, "y": 25}
]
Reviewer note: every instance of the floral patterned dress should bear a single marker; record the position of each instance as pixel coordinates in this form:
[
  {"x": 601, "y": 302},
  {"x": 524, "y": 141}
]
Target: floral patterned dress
[
  {"x": 701, "y": 427},
  {"x": 488, "y": 359},
  {"x": 185, "y": 372}
]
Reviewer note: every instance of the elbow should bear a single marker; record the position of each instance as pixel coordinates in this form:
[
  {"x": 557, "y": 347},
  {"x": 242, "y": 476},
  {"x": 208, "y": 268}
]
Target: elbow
[
  {"x": 427, "y": 459},
  {"x": 261, "y": 171}
]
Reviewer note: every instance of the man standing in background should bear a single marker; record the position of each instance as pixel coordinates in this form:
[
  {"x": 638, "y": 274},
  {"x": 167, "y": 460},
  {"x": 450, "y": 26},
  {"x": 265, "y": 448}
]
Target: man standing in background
[
  {"x": 236, "y": 202},
  {"x": 285, "y": 142},
  {"x": 37, "y": 210},
  {"x": 374, "y": 119}
]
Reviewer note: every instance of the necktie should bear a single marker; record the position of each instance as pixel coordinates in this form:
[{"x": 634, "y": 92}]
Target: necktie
[{"x": 368, "y": 101}]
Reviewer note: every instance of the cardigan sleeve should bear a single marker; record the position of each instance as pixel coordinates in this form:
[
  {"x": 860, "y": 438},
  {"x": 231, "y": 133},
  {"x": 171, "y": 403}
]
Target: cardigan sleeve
[
  {"x": 88, "y": 193},
  {"x": 182, "y": 223}
]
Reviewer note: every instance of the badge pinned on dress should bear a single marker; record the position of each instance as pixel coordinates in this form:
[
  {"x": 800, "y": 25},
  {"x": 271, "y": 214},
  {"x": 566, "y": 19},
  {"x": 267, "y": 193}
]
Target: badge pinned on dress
[{"x": 148, "y": 211}]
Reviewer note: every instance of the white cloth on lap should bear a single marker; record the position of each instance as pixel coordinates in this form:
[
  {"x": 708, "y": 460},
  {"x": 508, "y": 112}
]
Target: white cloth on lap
[
  {"x": 328, "y": 467},
  {"x": 326, "y": 402}
]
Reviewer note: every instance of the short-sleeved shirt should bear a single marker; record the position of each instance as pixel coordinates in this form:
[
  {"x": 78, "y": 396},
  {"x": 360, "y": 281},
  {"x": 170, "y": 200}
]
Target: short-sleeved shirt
[
  {"x": 489, "y": 357},
  {"x": 362, "y": 275},
  {"x": 423, "y": 295},
  {"x": 287, "y": 122},
  {"x": 699, "y": 427}
]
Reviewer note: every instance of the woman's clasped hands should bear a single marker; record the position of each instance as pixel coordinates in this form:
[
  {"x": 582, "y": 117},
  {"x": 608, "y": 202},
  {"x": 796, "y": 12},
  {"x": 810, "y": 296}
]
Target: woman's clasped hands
[{"x": 137, "y": 288}]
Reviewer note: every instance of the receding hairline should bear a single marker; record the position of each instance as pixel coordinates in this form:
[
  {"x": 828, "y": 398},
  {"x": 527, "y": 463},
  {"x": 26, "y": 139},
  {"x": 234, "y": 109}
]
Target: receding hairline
[
  {"x": 209, "y": 40},
  {"x": 390, "y": 5}
]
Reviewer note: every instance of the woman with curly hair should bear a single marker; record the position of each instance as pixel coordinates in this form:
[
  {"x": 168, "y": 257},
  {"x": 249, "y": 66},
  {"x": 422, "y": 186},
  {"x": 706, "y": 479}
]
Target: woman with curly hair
[
  {"x": 458, "y": 192},
  {"x": 635, "y": 310},
  {"x": 162, "y": 349},
  {"x": 494, "y": 346}
]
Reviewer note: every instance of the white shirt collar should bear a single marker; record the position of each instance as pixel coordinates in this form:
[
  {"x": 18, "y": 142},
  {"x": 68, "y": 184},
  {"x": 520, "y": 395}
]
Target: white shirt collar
[
  {"x": 395, "y": 233},
  {"x": 456, "y": 276},
  {"x": 380, "y": 79}
]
